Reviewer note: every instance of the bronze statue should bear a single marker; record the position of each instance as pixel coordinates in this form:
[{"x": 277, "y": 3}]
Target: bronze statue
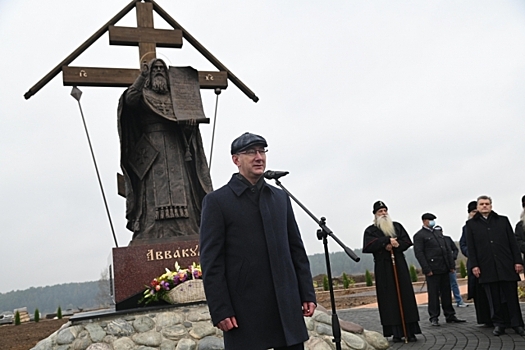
[{"x": 162, "y": 157}]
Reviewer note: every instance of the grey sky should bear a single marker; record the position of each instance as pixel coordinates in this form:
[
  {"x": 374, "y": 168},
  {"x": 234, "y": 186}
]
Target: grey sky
[{"x": 417, "y": 103}]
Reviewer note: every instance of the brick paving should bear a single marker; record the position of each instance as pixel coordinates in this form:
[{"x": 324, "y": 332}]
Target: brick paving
[{"x": 467, "y": 336}]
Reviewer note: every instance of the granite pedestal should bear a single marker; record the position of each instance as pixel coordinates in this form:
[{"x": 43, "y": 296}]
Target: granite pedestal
[{"x": 135, "y": 266}]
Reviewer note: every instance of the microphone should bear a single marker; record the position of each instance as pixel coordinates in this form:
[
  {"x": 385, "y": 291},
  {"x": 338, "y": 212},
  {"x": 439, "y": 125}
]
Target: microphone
[{"x": 270, "y": 174}]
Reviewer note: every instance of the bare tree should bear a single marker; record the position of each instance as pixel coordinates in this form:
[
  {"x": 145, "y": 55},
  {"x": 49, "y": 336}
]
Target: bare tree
[{"x": 103, "y": 297}]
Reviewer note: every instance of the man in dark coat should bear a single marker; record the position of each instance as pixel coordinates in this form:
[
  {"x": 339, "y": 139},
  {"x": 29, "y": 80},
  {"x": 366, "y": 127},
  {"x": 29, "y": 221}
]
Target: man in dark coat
[
  {"x": 383, "y": 238},
  {"x": 519, "y": 232},
  {"x": 256, "y": 272},
  {"x": 475, "y": 290},
  {"x": 435, "y": 258},
  {"x": 496, "y": 261}
]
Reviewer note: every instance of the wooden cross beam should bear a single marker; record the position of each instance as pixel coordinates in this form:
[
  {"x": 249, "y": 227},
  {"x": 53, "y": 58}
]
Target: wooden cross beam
[{"x": 147, "y": 38}]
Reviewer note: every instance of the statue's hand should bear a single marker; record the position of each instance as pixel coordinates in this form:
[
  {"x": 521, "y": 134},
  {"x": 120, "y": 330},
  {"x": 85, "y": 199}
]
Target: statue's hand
[{"x": 144, "y": 70}]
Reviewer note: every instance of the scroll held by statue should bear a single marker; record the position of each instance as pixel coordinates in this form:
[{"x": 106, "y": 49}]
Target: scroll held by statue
[{"x": 186, "y": 94}]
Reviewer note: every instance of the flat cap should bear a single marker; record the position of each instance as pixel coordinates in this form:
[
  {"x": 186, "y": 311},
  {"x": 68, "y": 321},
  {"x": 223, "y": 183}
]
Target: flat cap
[
  {"x": 378, "y": 205},
  {"x": 245, "y": 141},
  {"x": 428, "y": 216}
]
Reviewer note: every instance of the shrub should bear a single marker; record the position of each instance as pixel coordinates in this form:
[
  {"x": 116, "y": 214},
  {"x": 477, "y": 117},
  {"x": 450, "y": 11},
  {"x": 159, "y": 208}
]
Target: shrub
[
  {"x": 325, "y": 283},
  {"x": 352, "y": 281},
  {"x": 462, "y": 269},
  {"x": 59, "y": 313},
  {"x": 413, "y": 273},
  {"x": 37, "y": 315},
  {"x": 346, "y": 281},
  {"x": 368, "y": 279},
  {"x": 17, "y": 318}
]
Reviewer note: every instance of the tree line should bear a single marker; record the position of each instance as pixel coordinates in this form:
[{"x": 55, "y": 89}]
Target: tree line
[
  {"x": 95, "y": 294},
  {"x": 82, "y": 295}
]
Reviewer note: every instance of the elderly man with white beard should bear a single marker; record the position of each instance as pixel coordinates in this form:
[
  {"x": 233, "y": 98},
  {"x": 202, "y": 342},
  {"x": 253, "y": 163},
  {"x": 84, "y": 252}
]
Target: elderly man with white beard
[{"x": 382, "y": 238}]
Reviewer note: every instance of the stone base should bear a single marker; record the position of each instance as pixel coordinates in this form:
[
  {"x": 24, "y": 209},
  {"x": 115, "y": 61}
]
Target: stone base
[
  {"x": 183, "y": 327},
  {"x": 134, "y": 267}
]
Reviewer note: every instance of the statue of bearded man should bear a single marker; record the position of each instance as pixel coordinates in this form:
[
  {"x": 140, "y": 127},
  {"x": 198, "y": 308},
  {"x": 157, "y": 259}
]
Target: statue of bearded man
[{"x": 163, "y": 161}]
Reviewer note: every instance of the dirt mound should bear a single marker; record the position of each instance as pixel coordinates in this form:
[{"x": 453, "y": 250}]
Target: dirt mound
[{"x": 27, "y": 335}]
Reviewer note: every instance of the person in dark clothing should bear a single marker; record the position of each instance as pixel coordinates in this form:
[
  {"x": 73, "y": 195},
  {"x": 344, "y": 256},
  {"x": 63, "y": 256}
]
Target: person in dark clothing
[
  {"x": 475, "y": 290},
  {"x": 381, "y": 239},
  {"x": 519, "y": 231},
  {"x": 453, "y": 275},
  {"x": 435, "y": 258},
  {"x": 256, "y": 272},
  {"x": 496, "y": 262}
]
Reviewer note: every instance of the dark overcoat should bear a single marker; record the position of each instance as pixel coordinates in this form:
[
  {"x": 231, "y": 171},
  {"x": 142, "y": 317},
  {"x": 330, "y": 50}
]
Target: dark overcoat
[
  {"x": 374, "y": 242},
  {"x": 254, "y": 266},
  {"x": 493, "y": 248},
  {"x": 433, "y": 252},
  {"x": 520, "y": 236}
]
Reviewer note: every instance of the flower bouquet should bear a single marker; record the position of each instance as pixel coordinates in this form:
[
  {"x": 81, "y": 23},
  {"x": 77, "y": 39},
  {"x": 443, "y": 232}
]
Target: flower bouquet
[{"x": 178, "y": 286}]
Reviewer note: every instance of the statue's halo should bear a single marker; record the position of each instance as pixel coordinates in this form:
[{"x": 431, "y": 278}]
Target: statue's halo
[{"x": 164, "y": 57}]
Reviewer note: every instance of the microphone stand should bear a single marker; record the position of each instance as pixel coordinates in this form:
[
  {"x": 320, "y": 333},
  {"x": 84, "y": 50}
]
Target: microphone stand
[{"x": 322, "y": 234}]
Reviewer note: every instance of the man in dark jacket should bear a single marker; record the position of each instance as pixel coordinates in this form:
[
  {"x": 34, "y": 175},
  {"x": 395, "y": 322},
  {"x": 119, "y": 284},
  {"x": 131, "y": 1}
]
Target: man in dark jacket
[
  {"x": 256, "y": 272},
  {"x": 453, "y": 274},
  {"x": 383, "y": 238},
  {"x": 435, "y": 258},
  {"x": 519, "y": 232},
  {"x": 496, "y": 261},
  {"x": 475, "y": 290}
]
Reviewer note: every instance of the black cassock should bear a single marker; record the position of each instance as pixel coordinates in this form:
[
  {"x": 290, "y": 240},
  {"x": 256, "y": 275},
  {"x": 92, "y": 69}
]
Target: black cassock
[{"x": 374, "y": 242}]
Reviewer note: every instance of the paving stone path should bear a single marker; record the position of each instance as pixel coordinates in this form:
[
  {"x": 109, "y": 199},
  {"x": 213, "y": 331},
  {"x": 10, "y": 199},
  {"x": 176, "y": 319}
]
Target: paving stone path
[{"x": 467, "y": 336}]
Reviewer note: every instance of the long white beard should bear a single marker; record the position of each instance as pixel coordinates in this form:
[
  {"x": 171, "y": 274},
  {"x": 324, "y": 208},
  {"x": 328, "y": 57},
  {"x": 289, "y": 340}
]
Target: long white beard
[
  {"x": 386, "y": 225},
  {"x": 522, "y": 217},
  {"x": 159, "y": 84}
]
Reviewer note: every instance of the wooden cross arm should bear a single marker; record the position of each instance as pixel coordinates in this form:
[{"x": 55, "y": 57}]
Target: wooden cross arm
[
  {"x": 124, "y": 77},
  {"x": 133, "y": 36}
]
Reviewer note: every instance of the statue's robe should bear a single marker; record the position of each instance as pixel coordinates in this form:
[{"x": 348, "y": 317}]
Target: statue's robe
[{"x": 164, "y": 165}]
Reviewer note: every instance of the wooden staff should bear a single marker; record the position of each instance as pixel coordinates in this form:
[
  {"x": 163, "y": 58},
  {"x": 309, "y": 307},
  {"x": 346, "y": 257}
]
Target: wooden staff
[{"x": 399, "y": 295}]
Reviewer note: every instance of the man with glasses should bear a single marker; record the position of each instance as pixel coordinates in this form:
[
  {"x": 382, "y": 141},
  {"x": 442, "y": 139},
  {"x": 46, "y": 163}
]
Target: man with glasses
[
  {"x": 496, "y": 262},
  {"x": 256, "y": 272}
]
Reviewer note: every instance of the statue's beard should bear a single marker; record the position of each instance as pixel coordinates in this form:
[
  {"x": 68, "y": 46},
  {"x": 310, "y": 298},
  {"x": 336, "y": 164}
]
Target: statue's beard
[
  {"x": 386, "y": 225},
  {"x": 159, "y": 84}
]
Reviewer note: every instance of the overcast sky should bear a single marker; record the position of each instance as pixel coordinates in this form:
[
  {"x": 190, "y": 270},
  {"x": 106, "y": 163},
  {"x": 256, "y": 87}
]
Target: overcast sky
[{"x": 416, "y": 103}]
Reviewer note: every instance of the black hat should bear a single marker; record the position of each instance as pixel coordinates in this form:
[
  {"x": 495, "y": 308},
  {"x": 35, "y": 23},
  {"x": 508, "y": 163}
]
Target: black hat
[
  {"x": 246, "y": 140},
  {"x": 428, "y": 216},
  {"x": 523, "y": 202},
  {"x": 379, "y": 205},
  {"x": 472, "y": 206}
]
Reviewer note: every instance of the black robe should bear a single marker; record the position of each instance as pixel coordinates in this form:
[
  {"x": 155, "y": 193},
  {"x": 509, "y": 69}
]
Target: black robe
[
  {"x": 164, "y": 167},
  {"x": 375, "y": 242}
]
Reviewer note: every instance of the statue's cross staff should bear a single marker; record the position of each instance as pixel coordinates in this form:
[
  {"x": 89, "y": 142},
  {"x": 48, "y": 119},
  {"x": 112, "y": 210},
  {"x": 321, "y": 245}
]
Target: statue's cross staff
[{"x": 76, "y": 93}]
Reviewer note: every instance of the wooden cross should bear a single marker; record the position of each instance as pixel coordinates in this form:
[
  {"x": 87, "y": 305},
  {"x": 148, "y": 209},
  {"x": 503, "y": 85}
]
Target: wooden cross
[{"x": 147, "y": 38}]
